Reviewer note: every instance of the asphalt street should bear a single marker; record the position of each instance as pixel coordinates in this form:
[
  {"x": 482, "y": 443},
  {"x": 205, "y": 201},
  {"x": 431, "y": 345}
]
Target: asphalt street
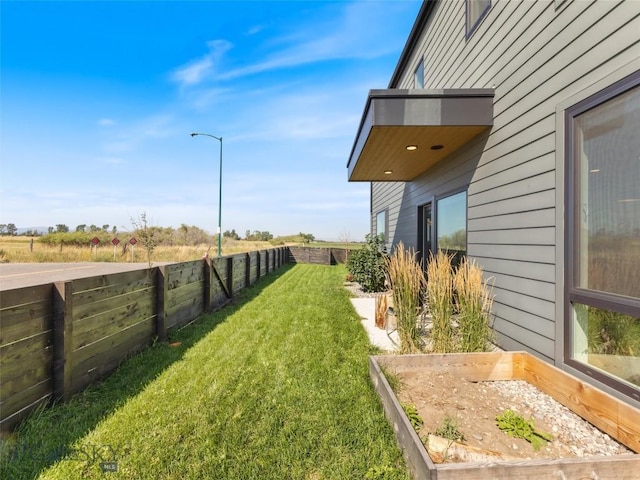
[{"x": 17, "y": 275}]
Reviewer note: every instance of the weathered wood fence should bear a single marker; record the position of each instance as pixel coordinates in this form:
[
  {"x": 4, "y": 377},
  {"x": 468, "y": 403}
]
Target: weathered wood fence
[
  {"x": 322, "y": 256},
  {"x": 55, "y": 339}
]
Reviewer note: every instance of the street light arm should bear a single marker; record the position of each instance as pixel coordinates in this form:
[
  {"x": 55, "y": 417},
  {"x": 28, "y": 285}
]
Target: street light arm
[{"x": 206, "y": 135}]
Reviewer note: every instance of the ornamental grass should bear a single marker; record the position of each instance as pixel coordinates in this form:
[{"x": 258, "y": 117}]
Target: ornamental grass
[
  {"x": 440, "y": 301},
  {"x": 408, "y": 284},
  {"x": 474, "y": 301}
]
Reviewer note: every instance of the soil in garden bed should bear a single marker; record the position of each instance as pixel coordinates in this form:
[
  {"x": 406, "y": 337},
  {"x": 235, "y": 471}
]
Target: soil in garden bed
[{"x": 473, "y": 408}]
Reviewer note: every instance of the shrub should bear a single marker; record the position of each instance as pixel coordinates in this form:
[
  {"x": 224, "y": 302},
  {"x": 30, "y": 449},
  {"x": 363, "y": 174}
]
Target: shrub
[
  {"x": 367, "y": 264},
  {"x": 407, "y": 285}
]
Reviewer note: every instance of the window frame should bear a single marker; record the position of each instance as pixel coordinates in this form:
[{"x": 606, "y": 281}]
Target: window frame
[
  {"x": 385, "y": 234},
  {"x": 573, "y": 293},
  {"x": 419, "y": 67},
  {"x": 436, "y": 213},
  {"x": 471, "y": 27}
]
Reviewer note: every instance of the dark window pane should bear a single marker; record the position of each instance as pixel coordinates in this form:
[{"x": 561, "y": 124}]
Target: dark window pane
[{"x": 607, "y": 210}]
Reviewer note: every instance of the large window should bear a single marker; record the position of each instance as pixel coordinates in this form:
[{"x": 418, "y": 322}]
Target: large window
[
  {"x": 603, "y": 235},
  {"x": 451, "y": 225},
  {"x": 475, "y": 10},
  {"x": 381, "y": 225},
  {"x": 418, "y": 75}
]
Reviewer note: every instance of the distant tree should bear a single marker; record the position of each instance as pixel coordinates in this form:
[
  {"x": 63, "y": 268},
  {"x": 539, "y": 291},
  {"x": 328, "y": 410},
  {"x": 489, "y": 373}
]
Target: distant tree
[
  {"x": 93, "y": 228},
  {"x": 231, "y": 234},
  {"x": 258, "y": 236},
  {"x": 145, "y": 233},
  {"x": 185, "y": 232},
  {"x": 114, "y": 230},
  {"x": 62, "y": 228},
  {"x": 3, "y": 228},
  {"x": 50, "y": 230},
  {"x": 105, "y": 227},
  {"x": 12, "y": 229},
  {"x": 81, "y": 228},
  {"x": 308, "y": 238}
]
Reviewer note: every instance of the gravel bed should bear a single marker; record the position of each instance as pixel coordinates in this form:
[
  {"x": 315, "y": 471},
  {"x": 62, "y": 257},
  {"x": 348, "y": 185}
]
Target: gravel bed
[
  {"x": 585, "y": 439},
  {"x": 356, "y": 290}
]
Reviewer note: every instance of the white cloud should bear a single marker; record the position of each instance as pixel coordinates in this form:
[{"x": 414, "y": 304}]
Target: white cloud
[{"x": 203, "y": 68}]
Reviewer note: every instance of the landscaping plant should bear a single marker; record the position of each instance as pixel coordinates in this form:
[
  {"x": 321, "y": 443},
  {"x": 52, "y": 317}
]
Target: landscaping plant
[
  {"x": 474, "y": 301},
  {"x": 516, "y": 426},
  {"x": 414, "y": 417},
  {"x": 367, "y": 264},
  {"x": 440, "y": 301},
  {"x": 407, "y": 286},
  {"x": 449, "y": 430}
]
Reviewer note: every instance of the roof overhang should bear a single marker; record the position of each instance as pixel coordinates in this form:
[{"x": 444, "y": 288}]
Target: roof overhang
[{"x": 437, "y": 122}]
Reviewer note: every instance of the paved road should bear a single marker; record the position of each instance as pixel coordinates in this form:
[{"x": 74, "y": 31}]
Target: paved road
[{"x": 16, "y": 275}]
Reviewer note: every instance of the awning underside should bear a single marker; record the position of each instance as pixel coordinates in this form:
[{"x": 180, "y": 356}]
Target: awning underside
[{"x": 432, "y": 123}]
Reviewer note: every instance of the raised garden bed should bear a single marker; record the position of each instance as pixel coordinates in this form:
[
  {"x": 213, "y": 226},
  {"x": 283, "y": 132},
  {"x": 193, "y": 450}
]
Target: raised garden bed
[{"x": 618, "y": 419}]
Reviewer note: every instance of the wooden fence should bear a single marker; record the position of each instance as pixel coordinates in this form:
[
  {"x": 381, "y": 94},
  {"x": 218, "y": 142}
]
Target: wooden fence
[
  {"x": 56, "y": 339},
  {"x": 322, "y": 256}
]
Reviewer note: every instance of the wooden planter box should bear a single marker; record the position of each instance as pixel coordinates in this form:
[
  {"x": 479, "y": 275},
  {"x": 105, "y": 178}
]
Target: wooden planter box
[{"x": 614, "y": 417}]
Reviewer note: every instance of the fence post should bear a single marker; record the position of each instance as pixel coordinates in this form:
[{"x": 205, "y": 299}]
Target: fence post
[
  {"x": 258, "y": 260},
  {"x": 247, "y": 269},
  {"x": 266, "y": 263},
  {"x": 208, "y": 283},
  {"x": 62, "y": 340},
  {"x": 162, "y": 289},
  {"x": 230, "y": 276}
]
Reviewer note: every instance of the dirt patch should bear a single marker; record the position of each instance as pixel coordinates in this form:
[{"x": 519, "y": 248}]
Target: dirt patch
[{"x": 473, "y": 406}]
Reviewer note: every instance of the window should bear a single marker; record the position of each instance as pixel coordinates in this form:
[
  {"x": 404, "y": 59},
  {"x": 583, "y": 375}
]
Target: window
[
  {"x": 603, "y": 235},
  {"x": 418, "y": 76},
  {"x": 451, "y": 225},
  {"x": 381, "y": 225},
  {"x": 476, "y": 10}
]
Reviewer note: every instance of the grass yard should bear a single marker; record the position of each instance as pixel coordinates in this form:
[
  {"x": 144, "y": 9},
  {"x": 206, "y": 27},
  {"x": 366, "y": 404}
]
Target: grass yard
[{"x": 275, "y": 386}]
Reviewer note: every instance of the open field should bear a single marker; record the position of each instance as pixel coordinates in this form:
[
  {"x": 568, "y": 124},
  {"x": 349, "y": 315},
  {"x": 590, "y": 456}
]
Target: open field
[{"x": 19, "y": 250}]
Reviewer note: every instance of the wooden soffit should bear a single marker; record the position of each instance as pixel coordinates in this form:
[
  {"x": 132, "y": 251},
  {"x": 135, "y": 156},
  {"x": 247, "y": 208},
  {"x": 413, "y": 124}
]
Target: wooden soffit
[{"x": 437, "y": 122}]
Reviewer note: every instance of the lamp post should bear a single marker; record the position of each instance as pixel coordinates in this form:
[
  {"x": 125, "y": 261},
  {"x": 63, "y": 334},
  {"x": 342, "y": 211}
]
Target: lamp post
[{"x": 219, "y": 190}]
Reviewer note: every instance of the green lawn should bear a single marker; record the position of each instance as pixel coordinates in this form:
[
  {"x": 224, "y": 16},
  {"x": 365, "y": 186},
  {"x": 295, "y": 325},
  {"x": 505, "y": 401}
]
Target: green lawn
[{"x": 273, "y": 387}]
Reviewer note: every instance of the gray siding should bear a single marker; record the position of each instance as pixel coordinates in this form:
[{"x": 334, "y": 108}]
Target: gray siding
[{"x": 535, "y": 57}]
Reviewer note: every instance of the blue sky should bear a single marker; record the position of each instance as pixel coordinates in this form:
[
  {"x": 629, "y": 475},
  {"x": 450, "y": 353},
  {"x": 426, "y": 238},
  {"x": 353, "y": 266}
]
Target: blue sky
[{"x": 98, "y": 100}]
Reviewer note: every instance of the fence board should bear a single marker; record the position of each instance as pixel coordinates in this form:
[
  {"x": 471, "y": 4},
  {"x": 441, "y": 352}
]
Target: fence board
[
  {"x": 27, "y": 353},
  {"x": 19, "y": 380},
  {"x": 185, "y": 293},
  {"x": 107, "y": 323},
  {"x": 181, "y": 274},
  {"x": 253, "y": 267},
  {"x": 238, "y": 273},
  {"x": 98, "y": 359},
  {"x": 96, "y": 289},
  {"x": 18, "y": 406}
]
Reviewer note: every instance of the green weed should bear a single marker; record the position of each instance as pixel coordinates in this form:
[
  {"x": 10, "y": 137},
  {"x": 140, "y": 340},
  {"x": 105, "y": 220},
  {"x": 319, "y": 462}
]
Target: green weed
[{"x": 516, "y": 426}]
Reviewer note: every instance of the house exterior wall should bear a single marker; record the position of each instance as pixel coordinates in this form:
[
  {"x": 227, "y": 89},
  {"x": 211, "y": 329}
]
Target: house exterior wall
[{"x": 536, "y": 55}]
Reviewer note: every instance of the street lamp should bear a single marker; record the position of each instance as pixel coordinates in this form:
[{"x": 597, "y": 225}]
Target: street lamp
[{"x": 219, "y": 190}]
